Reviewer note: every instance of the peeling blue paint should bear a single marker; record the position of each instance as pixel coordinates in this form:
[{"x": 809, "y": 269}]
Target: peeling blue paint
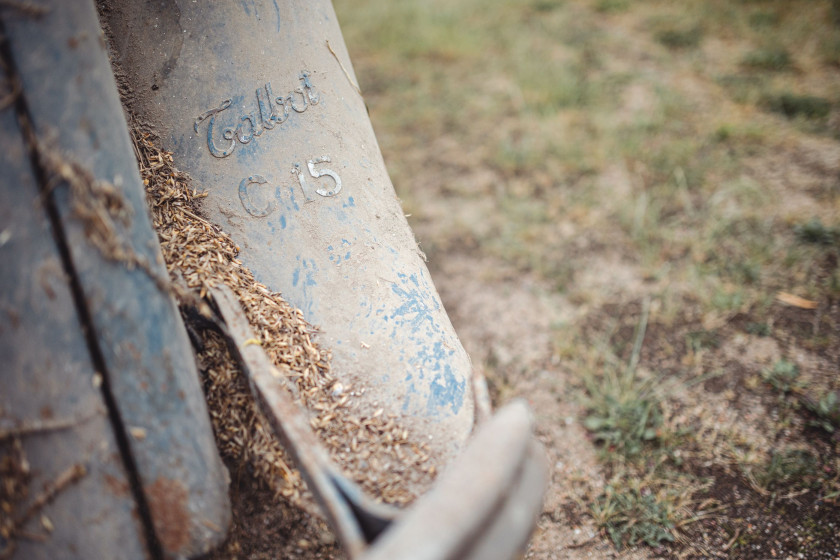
[
  {"x": 446, "y": 391},
  {"x": 277, "y": 11},
  {"x": 416, "y": 315},
  {"x": 292, "y": 198},
  {"x": 418, "y": 305},
  {"x": 311, "y": 269},
  {"x": 282, "y": 222}
]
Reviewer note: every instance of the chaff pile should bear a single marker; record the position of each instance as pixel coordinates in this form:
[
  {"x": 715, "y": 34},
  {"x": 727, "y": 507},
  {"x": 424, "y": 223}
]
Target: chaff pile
[
  {"x": 373, "y": 449},
  {"x": 14, "y": 487}
]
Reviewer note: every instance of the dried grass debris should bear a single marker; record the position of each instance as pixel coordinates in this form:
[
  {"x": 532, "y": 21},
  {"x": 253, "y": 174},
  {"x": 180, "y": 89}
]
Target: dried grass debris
[{"x": 375, "y": 450}]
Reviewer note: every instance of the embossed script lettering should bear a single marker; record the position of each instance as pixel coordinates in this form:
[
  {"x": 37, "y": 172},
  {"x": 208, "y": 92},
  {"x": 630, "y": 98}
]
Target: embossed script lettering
[{"x": 269, "y": 112}]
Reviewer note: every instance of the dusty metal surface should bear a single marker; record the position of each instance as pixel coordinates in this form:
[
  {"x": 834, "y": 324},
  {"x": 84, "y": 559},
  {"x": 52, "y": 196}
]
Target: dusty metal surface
[
  {"x": 87, "y": 164},
  {"x": 507, "y": 532},
  {"x": 259, "y": 103},
  {"x": 355, "y": 519},
  {"x": 492, "y": 492},
  {"x": 484, "y": 506},
  {"x": 49, "y": 397}
]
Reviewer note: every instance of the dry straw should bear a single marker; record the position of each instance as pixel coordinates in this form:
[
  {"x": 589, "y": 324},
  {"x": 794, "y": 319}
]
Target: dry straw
[{"x": 373, "y": 449}]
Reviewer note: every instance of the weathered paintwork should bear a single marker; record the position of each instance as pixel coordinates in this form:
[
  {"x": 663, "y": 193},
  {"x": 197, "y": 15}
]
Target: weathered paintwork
[
  {"x": 355, "y": 519},
  {"x": 259, "y": 102},
  {"x": 69, "y": 92},
  {"x": 47, "y": 379},
  {"x": 483, "y": 507}
]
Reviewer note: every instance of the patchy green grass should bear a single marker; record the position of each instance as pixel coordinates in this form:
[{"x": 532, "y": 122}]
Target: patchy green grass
[
  {"x": 624, "y": 412},
  {"x": 827, "y": 411},
  {"x": 788, "y": 469},
  {"x": 783, "y": 376},
  {"x": 815, "y": 232},
  {"x": 678, "y": 38},
  {"x": 792, "y": 105},
  {"x": 632, "y": 515},
  {"x": 772, "y": 59},
  {"x": 617, "y": 151}
]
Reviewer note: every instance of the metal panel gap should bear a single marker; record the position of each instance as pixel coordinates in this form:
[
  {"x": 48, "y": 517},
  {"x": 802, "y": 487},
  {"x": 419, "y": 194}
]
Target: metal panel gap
[{"x": 31, "y": 140}]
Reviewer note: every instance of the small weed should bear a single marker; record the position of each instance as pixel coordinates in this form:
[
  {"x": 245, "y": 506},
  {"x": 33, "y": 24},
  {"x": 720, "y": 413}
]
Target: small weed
[
  {"x": 727, "y": 299},
  {"x": 830, "y": 51},
  {"x": 680, "y": 38},
  {"x": 758, "y": 329},
  {"x": 624, "y": 418},
  {"x": 545, "y": 5},
  {"x": 606, "y": 6},
  {"x": 745, "y": 139},
  {"x": 697, "y": 340},
  {"x": 827, "y": 410},
  {"x": 742, "y": 272},
  {"x": 723, "y": 133},
  {"x": 761, "y": 20},
  {"x": 783, "y": 376},
  {"x": 790, "y": 467},
  {"x": 744, "y": 88},
  {"x": 623, "y": 412},
  {"x": 771, "y": 59},
  {"x": 632, "y": 516},
  {"x": 813, "y": 231},
  {"x": 793, "y": 106}
]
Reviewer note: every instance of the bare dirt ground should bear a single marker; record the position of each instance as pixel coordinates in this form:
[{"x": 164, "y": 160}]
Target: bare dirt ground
[
  {"x": 631, "y": 213},
  {"x": 519, "y": 347},
  {"x": 630, "y": 210}
]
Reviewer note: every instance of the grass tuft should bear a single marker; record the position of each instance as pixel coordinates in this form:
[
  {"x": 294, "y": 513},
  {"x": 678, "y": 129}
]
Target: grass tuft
[
  {"x": 762, "y": 20},
  {"x": 607, "y": 6},
  {"x": 624, "y": 412},
  {"x": 676, "y": 38},
  {"x": 827, "y": 411},
  {"x": 814, "y": 232},
  {"x": 771, "y": 59},
  {"x": 793, "y": 106},
  {"x": 624, "y": 418},
  {"x": 783, "y": 376},
  {"x": 785, "y": 469},
  {"x": 759, "y": 329},
  {"x": 544, "y": 6},
  {"x": 633, "y": 515}
]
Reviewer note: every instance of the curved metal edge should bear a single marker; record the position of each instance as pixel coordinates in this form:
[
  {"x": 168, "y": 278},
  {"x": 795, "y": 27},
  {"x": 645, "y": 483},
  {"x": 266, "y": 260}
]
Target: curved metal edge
[
  {"x": 467, "y": 497},
  {"x": 508, "y": 533},
  {"x": 290, "y": 422},
  {"x": 150, "y": 379}
]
